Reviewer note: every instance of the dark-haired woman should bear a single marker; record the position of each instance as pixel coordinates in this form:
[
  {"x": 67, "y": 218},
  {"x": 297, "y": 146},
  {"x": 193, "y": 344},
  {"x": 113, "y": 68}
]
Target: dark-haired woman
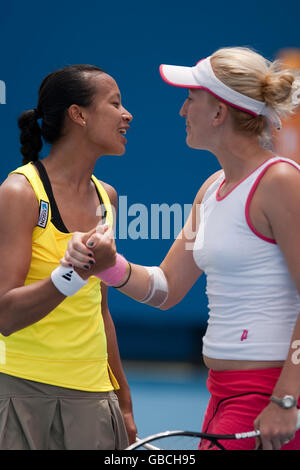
[{"x": 62, "y": 385}]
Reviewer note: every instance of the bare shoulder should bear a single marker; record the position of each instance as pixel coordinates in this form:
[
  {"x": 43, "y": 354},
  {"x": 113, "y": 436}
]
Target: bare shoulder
[
  {"x": 283, "y": 169},
  {"x": 17, "y": 183},
  {"x": 282, "y": 177},
  {"x": 18, "y": 198},
  {"x": 206, "y": 185},
  {"x": 279, "y": 195},
  {"x": 112, "y": 193}
]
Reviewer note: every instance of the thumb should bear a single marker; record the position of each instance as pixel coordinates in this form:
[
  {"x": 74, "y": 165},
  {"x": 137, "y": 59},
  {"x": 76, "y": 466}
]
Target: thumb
[
  {"x": 102, "y": 228},
  {"x": 257, "y": 439},
  {"x": 103, "y": 232},
  {"x": 95, "y": 234},
  {"x": 88, "y": 235},
  {"x": 94, "y": 238}
]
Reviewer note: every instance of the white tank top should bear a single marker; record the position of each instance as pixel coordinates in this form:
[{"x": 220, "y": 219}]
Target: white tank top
[{"x": 253, "y": 302}]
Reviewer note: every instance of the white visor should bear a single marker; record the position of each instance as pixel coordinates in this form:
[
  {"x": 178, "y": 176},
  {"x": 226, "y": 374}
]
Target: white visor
[{"x": 202, "y": 76}]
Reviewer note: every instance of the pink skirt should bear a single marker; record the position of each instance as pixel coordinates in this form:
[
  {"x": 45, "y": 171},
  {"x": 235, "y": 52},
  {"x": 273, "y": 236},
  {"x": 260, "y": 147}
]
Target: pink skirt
[{"x": 237, "y": 398}]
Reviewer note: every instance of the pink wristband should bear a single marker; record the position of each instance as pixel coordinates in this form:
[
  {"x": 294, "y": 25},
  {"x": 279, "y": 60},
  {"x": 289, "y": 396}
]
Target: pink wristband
[{"x": 114, "y": 275}]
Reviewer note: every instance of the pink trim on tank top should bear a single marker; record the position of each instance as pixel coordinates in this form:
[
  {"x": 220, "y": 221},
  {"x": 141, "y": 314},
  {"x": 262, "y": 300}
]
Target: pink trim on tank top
[
  {"x": 249, "y": 198},
  {"x": 220, "y": 198}
]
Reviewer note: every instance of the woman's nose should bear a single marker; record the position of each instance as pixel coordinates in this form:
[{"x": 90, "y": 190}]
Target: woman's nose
[
  {"x": 182, "y": 111},
  {"x": 127, "y": 115}
]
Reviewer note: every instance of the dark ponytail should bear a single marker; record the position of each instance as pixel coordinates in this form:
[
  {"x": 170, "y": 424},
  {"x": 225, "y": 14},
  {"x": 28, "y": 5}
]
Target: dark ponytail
[
  {"x": 58, "y": 91},
  {"x": 30, "y": 137}
]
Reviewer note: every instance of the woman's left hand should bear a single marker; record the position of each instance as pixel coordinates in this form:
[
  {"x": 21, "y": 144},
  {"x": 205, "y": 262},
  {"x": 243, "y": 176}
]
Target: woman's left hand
[
  {"x": 130, "y": 426},
  {"x": 277, "y": 427}
]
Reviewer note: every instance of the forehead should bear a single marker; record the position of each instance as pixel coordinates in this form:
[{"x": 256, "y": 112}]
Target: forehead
[
  {"x": 105, "y": 85},
  {"x": 196, "y": 92},
  {"x": 202, "y": 95}
]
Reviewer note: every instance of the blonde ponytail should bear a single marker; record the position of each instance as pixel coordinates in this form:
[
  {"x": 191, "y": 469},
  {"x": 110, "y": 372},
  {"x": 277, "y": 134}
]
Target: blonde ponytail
[{"x": 249, "y": 73}]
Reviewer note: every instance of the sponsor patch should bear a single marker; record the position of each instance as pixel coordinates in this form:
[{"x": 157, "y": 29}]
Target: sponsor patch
[{"x": 44, "y": 213}]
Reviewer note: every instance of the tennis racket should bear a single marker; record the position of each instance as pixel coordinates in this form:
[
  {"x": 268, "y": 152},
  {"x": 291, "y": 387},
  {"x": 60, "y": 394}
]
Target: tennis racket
[{"x": 189, "y": 440}]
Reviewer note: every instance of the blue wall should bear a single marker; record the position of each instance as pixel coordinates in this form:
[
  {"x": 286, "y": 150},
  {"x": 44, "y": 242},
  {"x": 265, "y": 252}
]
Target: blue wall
[{"x": 129, "y": 40}]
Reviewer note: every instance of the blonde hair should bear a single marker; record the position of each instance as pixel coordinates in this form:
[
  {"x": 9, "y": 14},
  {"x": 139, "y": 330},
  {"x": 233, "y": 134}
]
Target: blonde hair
[{"x": 249, "y": 73}]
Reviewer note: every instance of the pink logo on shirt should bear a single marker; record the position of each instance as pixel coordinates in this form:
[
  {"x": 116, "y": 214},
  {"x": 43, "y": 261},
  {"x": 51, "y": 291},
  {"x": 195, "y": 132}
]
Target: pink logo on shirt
[{"x": 244, "y": 335}]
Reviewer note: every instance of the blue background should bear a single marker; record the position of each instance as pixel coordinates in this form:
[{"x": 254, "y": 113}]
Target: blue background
[{"x": 129, "y": 40}]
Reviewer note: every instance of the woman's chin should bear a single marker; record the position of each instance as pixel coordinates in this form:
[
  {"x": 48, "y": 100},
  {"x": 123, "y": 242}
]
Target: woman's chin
[
  {"x": 189, "y": 142},
  {"x": 193, "y": 145},
  {"x": 117, "y": 151}
]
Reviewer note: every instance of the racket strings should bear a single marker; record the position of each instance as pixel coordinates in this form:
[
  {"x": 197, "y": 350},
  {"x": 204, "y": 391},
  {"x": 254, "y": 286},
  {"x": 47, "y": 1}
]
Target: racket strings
[
  {"x": 177, "y": 443},
  {"x": 182, "y": 442}
]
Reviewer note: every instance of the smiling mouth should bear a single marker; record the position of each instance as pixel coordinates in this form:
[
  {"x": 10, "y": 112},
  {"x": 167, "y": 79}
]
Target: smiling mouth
[{"x": 123, "y": 130}]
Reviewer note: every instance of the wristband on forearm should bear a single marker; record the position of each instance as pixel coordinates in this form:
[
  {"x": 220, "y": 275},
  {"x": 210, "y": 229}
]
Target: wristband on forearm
[
  {"x": 114, "y": 275},
  {"x": 67, "y": 281},
  {"x": 127, "y": 279}
]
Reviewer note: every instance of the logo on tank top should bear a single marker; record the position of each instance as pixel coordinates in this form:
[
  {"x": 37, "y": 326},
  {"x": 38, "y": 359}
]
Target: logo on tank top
[
  {"x": 244, "y": 335},
  {"x": 44, "y": 212}
]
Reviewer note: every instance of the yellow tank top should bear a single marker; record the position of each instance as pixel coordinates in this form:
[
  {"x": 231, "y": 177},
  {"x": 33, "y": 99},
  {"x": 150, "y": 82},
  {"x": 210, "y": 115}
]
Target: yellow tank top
[{"x": 68, "y": 346}]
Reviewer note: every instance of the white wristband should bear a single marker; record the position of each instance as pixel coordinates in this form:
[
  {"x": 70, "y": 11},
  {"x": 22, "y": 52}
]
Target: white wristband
[{"x": 67, "y": 281}]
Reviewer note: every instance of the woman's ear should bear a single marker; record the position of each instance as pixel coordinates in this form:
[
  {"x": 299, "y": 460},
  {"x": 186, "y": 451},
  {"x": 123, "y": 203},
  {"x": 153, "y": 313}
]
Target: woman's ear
[
  {"x": 76, "y": 115},
  {"x": 220, "y": 114}
]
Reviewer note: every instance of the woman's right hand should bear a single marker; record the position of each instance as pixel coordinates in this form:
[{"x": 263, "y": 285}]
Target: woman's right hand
[{"x": 91, "y": 252}]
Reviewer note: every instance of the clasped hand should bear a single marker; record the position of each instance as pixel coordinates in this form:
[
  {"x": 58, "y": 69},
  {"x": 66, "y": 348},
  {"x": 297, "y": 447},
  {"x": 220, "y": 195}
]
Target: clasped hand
[{"x": 91, "y": 252}]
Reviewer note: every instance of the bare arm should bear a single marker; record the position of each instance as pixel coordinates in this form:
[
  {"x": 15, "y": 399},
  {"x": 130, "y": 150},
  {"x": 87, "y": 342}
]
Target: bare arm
[
  {"x": 178, "y": 266},
  {"x": 20, "y": 305},
  {"x": 281, "y": 201},
  {"x": 114, "y": 361}
]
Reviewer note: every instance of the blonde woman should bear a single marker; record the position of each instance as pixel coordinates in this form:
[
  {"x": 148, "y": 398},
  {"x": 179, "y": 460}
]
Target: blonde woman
[{"x": 246, "y": 240}]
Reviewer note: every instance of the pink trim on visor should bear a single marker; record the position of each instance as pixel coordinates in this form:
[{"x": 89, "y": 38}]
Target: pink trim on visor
[{"x": 198, "y": 87}]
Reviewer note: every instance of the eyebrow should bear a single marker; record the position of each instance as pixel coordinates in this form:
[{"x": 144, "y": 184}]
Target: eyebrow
[{"x": 116, "y": 95}]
